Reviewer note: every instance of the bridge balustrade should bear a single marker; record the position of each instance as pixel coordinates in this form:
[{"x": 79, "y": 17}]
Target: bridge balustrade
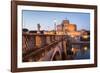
[{"x": 36, "y": 42}]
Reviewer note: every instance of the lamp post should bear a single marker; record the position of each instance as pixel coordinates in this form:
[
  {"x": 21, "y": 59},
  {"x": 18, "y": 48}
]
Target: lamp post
[{"x": 55, "y": 25}]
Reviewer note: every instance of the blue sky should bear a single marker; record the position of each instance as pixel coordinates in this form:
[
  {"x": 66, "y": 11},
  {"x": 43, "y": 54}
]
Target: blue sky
[{"x": 30, "y": 19}]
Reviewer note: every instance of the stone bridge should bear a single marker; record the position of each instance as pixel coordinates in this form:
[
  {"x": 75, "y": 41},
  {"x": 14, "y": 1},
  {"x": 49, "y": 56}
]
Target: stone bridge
[{"x": 43, "y": 47}]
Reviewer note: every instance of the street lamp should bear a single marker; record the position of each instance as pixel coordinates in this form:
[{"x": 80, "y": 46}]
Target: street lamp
[{"x": 55, "y": 21}]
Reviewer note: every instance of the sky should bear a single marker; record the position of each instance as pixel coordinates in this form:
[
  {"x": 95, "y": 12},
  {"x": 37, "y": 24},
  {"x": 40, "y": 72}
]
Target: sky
[{"x": 30, "y": 19}]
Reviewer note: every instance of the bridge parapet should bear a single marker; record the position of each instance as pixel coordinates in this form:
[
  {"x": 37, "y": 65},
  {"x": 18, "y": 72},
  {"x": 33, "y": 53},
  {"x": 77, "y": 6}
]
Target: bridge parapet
[{"x": 36, "y": 45}]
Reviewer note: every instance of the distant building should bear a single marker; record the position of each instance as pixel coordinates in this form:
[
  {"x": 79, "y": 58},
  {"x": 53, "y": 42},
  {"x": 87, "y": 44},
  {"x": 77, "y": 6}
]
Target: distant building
[
  {"x": 74, "y": 33},
  {"x": 70, "y": 27},
  {"x": 85, "y": 35},
  {"x": 65, "y": 22},
  {"x": 67, "y": 28},
  {"x": 59, "y": 28},
  {"x": 59, "y": 32},
  {"x": 49, "y": 32}
]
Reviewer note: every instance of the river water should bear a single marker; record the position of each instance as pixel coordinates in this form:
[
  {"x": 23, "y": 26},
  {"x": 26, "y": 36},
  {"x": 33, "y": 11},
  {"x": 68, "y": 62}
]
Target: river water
[{"x": 80, "y": 51}]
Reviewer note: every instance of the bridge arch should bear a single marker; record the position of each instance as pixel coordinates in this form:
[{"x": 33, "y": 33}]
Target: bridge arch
[{"x": 57, "y": 55}]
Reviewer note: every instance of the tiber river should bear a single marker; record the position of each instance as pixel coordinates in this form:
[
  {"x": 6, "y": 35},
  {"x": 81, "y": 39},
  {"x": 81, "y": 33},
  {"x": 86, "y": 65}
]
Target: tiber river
[{"x": 80, "y": 51}]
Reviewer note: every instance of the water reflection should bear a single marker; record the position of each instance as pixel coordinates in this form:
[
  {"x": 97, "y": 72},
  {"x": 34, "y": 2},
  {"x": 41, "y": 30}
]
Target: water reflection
[{"x": 79, "y": 51}]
